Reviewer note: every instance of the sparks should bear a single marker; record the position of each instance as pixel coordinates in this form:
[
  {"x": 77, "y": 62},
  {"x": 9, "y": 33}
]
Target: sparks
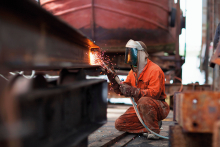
[{"x": 97, "y": 58}]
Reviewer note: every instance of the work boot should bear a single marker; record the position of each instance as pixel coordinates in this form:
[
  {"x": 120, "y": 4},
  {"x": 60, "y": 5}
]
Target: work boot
[
  {"x": 145, "y": 134},
  {"x": 152, "y": 137}
]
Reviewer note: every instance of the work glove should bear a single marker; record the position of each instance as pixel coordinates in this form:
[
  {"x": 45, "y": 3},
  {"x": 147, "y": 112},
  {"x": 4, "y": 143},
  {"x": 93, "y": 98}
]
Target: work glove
[
  {"x": 114, "y": 84},
  {"x": 130, "y": 91}
]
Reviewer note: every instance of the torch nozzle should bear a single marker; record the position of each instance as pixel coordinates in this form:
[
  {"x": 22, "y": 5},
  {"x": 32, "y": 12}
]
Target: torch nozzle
[{"x": 98, "y": 59}]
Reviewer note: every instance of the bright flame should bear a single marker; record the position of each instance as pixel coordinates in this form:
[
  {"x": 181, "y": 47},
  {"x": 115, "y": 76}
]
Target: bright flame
[{"x": 94, "y": 58}]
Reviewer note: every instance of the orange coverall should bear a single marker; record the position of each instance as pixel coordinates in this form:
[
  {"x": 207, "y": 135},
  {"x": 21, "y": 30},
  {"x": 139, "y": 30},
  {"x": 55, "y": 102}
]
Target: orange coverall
[{"x": 151, "y": 106}]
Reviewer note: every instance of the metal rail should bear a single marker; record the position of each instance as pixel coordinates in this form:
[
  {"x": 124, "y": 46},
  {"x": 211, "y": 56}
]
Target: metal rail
[
  {"x": 37, "y": 111},
  {"x": 59, "y": 113},
  {"x": 33, "y": 39}
]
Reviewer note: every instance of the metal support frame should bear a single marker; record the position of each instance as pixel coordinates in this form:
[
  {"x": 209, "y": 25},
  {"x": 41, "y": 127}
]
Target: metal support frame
[
  {"x": 178, "y": 70},
  {"x": 37, "y": 112},
  {"x": 32, "y": 38},
  {"x": 197, "y": 119},
  {"x": 196, "y": 112},
  {"x": 41, "y": 113}
]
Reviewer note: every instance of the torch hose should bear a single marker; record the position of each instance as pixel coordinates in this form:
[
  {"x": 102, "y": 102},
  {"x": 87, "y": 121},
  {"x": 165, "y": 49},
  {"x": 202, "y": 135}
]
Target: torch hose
[
  {"x": 134, "y": 104},
  {"x": 142, "y": 122}
]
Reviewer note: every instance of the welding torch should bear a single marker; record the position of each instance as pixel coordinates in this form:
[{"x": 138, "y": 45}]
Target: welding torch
[{"x": 103, "y": 65}]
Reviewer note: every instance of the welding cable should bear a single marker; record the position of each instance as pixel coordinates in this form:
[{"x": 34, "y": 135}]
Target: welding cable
[{"x": 142, "y": 122}]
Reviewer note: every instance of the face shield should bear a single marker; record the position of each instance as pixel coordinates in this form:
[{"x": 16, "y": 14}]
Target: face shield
[{"x": 131, "y": 56}]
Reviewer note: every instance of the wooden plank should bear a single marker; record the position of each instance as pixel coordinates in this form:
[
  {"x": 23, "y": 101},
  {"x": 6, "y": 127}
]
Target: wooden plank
[
  {"x": 107, "y": 141},
  {"x": 124, "y": 141}
]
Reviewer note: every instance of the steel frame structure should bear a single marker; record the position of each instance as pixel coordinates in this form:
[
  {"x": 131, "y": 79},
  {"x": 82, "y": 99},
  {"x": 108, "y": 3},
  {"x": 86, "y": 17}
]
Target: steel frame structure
[{"x": 38, "y": 111}]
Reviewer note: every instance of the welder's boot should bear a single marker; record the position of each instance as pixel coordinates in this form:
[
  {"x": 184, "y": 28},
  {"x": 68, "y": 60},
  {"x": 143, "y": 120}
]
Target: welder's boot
[
  {"x": 145, "y": 134},
  {"x": 152, "y": 137}
]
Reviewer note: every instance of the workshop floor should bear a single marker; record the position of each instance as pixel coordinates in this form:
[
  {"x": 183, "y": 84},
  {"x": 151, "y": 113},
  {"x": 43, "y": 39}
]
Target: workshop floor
[{"x": 107, "y": 135}]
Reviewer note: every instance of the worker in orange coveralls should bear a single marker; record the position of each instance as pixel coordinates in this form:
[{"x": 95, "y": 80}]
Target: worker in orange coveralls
[{"x": 146, "y": 84}]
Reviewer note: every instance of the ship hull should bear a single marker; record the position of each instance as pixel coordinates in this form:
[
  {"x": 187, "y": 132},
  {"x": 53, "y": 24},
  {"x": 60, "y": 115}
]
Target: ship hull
[{"x": 111, "y": 23}]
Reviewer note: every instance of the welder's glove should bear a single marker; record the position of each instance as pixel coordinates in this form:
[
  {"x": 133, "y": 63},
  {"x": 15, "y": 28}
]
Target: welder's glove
[
  {"x": 114, "y": 84},
  {"x": 130, "y": 91}
]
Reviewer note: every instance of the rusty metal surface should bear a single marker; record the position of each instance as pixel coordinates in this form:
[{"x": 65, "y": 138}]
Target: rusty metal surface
[
  {"x": 179, "y": 138},
  {"x": 216, "y": 135},
  {"x": 32, "y": 38},
  {"x": 210, "y": 21},
  {"x": 215, "y": 59},
  {"x": 178, "y": 61},
  {"x": 35, "y": 112},
  {"x": 113, "y": 23},
  {"x": 172, "y": 88},
  {"x": 197, "y": 112},
  {"x": 175, "y": 96}
]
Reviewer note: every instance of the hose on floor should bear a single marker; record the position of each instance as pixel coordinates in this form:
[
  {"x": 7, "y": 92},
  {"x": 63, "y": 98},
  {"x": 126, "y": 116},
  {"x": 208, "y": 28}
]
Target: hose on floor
[{"x": 142, "y": 122}]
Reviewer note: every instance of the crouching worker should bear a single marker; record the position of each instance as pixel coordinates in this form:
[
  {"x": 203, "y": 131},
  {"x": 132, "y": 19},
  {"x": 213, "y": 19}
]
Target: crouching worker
[{"x": 146, "y": 84}]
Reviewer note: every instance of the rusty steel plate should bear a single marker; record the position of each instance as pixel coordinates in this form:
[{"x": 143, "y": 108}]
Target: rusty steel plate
[
  {"x": 197, "y": 111},
  {"x": 179, "y": 138}
]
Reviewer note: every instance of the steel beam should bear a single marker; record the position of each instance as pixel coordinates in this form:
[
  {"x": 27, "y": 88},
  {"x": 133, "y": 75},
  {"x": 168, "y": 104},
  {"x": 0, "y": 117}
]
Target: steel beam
[
  {"x": 179, "y": 138},
  {"x": 216, "y": 135},
  {"x": 215, "y": 57},
  {"x": 197, "y": 111},
  {"x": 36, "y": 113},
  {"x": 32, "y": 38},
  {"x": 170, "y": 89}
]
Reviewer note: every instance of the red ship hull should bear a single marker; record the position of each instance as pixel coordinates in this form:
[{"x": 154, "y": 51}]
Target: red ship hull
[{"x": 111, "y": 23}]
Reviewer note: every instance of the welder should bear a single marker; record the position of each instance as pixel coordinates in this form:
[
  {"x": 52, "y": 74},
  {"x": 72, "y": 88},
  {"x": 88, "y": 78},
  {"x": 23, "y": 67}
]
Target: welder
[{"x": 146, "y": 84}]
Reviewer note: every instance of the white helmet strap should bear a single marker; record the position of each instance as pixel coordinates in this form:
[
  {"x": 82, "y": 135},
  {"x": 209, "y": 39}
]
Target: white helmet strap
[{"x": 134, "y": 44}]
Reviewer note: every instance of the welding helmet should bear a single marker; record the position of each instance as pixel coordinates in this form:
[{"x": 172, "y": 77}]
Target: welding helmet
[
  {"x": 131, "y": 52},
  {"x": 131, "y": 56}
]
